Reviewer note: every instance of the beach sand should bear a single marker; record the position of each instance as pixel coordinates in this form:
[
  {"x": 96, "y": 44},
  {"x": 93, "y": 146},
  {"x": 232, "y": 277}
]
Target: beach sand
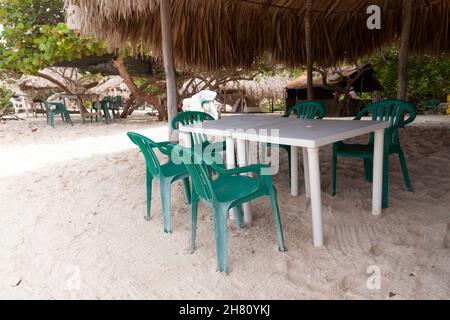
[{"x": 72, "y": 206}]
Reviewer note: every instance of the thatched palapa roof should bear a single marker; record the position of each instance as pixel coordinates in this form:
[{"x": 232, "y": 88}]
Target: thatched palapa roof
[
  {"x": 270, "y": 87},
  {"x": 111, "y": 83},
  {"x": 212, "y": 34}
]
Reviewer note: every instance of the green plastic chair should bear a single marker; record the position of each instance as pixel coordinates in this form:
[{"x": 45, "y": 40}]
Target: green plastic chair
[
  {"x": 105, "y": 107},
  {"x": 55, "y": 108},
  {"x": 391, "y": 111},
  {"x": 166, "y": 173},
  {"x": 228, "y": 190},
  {"x": 115, "y": 106},
  {"x": 192, "y": 117},
  {"x": 304, "y": 110}
]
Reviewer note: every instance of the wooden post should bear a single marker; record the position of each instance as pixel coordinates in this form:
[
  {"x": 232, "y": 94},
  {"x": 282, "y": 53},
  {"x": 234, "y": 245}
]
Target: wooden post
[
  {"x": 309, "y": 57},
  {"x": 404, "y": 47},
  {"x": 167, "y": 47}
]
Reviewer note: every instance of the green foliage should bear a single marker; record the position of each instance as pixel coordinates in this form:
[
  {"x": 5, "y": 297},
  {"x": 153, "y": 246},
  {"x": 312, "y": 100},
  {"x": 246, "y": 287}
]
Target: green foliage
[
  {"x": 427, "y": 76},
  {"x": 35, "y": 36},
  {"x": 266, "y": 105},
  {"x": 5, "y": 96}
]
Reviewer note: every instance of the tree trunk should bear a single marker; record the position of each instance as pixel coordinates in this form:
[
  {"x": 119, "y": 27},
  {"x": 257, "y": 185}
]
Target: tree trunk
[
  {"x": 52, "y": 80},
  {"x": 404, "y": 47},
  {"x": 167, "y": 48},
  {"x": 136, "y": 92},
  {"x": 309, "y": 57},
  {"x": 126, "y": 109}
]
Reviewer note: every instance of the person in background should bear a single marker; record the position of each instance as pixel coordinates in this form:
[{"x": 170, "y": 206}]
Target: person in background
[
  {"x": 354, "y": 102},
  {"x": 376, "y": 97},
  {"x": 352, "y": 94}
]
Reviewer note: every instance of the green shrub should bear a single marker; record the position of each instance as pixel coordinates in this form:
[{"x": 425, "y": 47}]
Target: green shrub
[{"x": 5, "y": 103}]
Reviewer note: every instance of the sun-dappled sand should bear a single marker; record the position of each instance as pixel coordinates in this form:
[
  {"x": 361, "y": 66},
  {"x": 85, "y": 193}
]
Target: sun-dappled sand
[{"x": 72, "y": 206}]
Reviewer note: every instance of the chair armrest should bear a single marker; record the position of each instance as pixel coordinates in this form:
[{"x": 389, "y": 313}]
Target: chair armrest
[
  {"x": 255, "y": 168},
  {"x": 401, "y": 124},
  {"x": 165, "y": 147}
]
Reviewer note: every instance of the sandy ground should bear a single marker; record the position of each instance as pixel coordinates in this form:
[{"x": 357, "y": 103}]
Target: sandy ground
[{"x": 72, "y": 202}]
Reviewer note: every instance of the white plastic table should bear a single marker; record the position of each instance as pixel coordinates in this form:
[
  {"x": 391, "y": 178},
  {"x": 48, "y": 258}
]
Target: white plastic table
[{"x": 307, "y": 134}]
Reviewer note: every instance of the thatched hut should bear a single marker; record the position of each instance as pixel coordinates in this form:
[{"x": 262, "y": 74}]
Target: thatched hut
[
  {"x": 247, "y": 95},
  {"x": 111, "y": 86},
  {"x": 337, "y": 81},
  {"x": 36, "y": 88}
]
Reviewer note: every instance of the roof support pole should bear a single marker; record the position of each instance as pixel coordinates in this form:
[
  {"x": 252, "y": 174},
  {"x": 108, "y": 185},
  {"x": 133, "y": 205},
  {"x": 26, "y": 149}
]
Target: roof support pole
[
  {"x": 404, "y": 47},
  {"x": 167, "y": 47},
  {"x": 309, "y": 57}
]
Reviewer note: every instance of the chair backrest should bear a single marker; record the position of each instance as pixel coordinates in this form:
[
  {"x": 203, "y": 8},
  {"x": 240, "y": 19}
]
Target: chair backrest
[
  {"x": 392, "y": 111},
  {"x": 105, "y": 102},
  {"x": 117, "y": 101},
  {"x": 46, "y": 104},
  {"x": 59, "y": 106},
  {"x": 198, "y": 171},
  {"x": 147, "y": 145},
  {"x": 191, "y": 117},
  {"x": 18, "y": 102},
  {"x": 307, "y": 110}
]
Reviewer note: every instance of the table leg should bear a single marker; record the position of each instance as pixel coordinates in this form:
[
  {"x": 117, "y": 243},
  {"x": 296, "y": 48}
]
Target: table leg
[
  {"x": 306, "y": 172},
  {"x": 294, "y": 171},
  {"x": 231, "y": 164},
  {"x": 378, "y": 172},
  {"x": 242, "y": 161},
  {"x": 185, "y": 139},
  {"x": 263, "y": 153},
  {"x": 316, "y": 196}
]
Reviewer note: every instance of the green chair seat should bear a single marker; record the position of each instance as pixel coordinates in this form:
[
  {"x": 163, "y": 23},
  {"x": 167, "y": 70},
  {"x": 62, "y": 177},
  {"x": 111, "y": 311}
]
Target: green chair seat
[
  {"x": 354, "y": 151},
  {"x": 171, "y": 169},
  {"x": 229, "y": 188},
  {"x": 364, "y": 151}
]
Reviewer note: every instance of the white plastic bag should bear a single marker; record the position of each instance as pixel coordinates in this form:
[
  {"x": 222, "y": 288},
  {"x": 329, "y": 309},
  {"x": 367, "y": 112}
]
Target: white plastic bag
[{"x": 203, "y": 102}]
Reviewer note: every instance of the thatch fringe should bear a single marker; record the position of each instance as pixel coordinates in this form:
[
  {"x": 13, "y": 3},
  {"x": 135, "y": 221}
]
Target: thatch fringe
[{"x": 215, "y": 34}]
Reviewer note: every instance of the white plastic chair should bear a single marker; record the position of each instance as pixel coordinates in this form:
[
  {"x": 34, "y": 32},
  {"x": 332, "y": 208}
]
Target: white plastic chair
[{"x": 20, "y": 103}]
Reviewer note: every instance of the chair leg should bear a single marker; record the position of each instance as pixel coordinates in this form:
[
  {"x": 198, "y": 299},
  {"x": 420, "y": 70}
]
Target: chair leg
[
  {"x": 165, "y": 185},
  {"x": 187, "y": 190},
  {"x": 220, "y": 228},
  {"x": 194, "y": 222},
  {"x": 149, "y": 195},
  {"x": 68, "y": 119},
  {"x": 368, "y": 167},
  {"x": 333, "y": 175},
  {"x": 276, "y": 217},
  {"x": 385, "y": 202},
  {"x": 401, "y": 156},
  {"x": 288, "y": 150}
]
